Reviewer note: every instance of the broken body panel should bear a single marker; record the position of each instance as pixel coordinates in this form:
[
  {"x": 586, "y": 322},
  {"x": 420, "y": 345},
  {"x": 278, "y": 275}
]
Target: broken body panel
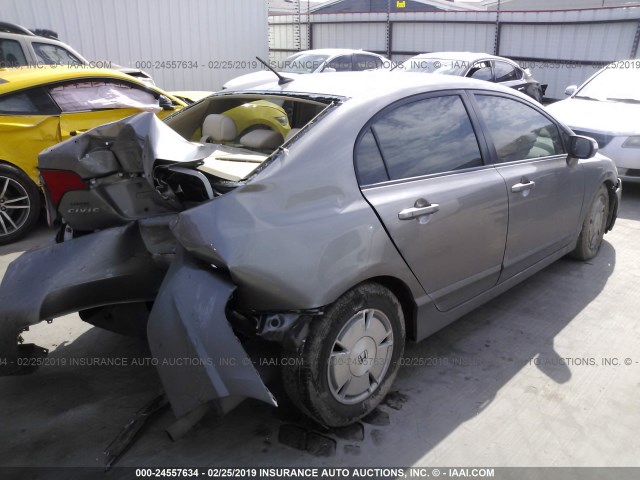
[{"x": 288, "y": 239}]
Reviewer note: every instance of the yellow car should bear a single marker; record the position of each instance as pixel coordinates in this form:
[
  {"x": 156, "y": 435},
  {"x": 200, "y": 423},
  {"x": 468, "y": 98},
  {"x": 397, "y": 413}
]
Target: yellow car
[{"x": 41, "y": 106}]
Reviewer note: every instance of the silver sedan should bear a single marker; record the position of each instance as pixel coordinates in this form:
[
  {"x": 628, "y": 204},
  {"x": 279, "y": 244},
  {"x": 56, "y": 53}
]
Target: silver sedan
[{"x": 394, "y": 205}]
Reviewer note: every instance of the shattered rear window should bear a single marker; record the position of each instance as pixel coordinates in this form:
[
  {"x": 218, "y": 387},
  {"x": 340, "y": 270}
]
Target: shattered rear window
[{"x": 245, "y": 129}]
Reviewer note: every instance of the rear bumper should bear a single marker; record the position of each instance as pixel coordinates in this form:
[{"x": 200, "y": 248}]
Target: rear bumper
[
  {"x": 199, "y": 357},
  {"x": 108, "y": 267}
]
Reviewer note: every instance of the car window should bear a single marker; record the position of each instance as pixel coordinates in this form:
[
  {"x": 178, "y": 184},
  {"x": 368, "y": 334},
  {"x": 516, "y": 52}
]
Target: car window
[
  {"x": 369, "y": 164},
  {"x": 87, "y": 95},
  {"x": 518, "y": 131},
  {"x": 11, "y": 54},
  {"x": 481, "y": 71},
  {"x": 341, "y": 63},
  {"x": 29, "y": 102},
  {"x": 505, "y": 72},
  {"x": 366, "y": 62},
  {"x": 428, "y": 136},
  {"x": 302, "y": 63},
  {"x": 49, "y": 54}
]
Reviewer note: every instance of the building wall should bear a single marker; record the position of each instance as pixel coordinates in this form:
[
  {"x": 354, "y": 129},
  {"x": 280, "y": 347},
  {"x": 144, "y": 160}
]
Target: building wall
[
  {"x": 560, "y": 48},
  {"x": 547, "y": 4},
  {"x": 213, "y": 41}
]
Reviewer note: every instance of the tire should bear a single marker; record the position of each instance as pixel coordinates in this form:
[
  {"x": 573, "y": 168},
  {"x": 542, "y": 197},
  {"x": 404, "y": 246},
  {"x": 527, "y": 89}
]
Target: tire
[
  {"x": 593, "y": 227},
  {"x": 341, "y": 374},
  {"x": 19, "y": 204}
]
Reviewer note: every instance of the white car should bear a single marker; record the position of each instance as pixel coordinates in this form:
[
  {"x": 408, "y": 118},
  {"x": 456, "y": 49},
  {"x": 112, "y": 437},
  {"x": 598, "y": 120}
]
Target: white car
[
  {"x": 312, "y": 61},
  {"x": 607, "y": 108},
  {"x": 20, "y": 47}
]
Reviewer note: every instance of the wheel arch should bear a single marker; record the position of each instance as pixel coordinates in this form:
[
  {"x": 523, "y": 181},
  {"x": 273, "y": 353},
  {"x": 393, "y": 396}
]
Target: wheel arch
[
  {"x": 403, "y": 293},
  {"x": 613, "y": 204}
]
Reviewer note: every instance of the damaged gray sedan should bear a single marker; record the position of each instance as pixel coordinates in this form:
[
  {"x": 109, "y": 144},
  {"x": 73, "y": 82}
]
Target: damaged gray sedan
[{"x": 373, "y": 216}]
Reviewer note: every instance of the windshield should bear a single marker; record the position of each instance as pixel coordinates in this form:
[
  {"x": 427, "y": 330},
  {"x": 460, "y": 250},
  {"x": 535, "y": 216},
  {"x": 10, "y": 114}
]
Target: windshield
[
  {"x": 614, "y": 85},
  {"x": 303, "y": 63},
  {"x": 444, "y": 66}
]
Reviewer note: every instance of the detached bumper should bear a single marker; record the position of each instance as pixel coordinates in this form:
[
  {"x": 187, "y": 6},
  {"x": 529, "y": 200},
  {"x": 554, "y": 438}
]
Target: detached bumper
[
  {"x": 199, "y": 357},
  {"x": 108, "y": 267}
]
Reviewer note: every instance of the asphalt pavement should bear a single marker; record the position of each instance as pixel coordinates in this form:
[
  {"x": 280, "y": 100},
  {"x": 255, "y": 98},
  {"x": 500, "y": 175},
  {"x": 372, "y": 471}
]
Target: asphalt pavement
[{"x": 547, "y": 374}]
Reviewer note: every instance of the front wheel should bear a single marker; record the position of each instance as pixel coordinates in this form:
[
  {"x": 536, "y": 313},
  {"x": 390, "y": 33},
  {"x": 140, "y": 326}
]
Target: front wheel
[
  {"x": 19, "y": 204},
  {"x": 350, "y": 357},
  {"x": 593, "y": 227}
]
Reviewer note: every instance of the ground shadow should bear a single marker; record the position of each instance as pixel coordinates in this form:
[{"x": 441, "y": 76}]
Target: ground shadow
[{"x": 67, "y": 415}]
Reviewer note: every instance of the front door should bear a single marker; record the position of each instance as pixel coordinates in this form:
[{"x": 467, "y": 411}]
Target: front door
[{"x": 545, "y": 194}]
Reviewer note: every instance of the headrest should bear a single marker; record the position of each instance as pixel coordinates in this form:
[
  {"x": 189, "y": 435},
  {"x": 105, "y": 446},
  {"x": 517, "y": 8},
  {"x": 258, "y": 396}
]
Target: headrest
[
  {"x": 218, "y": 128},
  {"x": 262, "y": 139}
]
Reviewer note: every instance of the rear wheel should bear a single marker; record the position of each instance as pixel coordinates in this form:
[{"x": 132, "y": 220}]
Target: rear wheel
[
  {"x": 19, "y": 204},
  {"x": 350, "y": 357},
  {"x": 593, "y": 227}
]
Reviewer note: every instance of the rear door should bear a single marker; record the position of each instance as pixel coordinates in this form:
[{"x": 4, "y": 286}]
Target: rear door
[
  {"x": 420, "y": 166},
  {"x": 545, "y": 194}
]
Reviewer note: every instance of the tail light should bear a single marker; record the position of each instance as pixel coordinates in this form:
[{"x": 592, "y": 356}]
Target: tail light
[{"x": 59, "y": 182}]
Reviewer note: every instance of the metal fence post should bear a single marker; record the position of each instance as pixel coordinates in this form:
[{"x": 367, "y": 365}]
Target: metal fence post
[
  {"x": 496, "y": 42},
  {"x": 388, "y": 41},
  {"x": 636, "y": 40}
]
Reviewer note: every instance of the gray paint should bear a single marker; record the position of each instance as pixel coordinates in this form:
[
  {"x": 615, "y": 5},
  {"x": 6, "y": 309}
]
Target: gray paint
[
  {"x": 199, "y": 357},
  {"x": 297, "y": 236}
]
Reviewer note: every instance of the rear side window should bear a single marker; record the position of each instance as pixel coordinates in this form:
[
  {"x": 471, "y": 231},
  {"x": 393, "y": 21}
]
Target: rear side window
[
  {"x": 49, "y": 54},
  {"x": 369, "y": 162},
  {"x": 505, "y": 72},
  {"x": 29, "y": 102},
  {"x": 11, "y": 54},
  {"x": 428, "y": 136},
  {"x": 341, "y": 63},
  {"x": 518, "y": 131},
  {"x": 366, "y": 62},
  {"x": 481, "y": 71}
]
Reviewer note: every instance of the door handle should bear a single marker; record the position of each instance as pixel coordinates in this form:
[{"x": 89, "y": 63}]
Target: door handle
[
  {"x": 520, "y": 187},
  {"x": 418, "y": 211}
]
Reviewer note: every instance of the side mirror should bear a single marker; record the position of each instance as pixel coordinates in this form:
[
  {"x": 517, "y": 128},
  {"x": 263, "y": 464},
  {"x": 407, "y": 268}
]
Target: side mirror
[
  {"x": 165, "y": 103},
  {"x": 570, "y": 90},
  {"x": 581, "y": 148},
  {"x": 328, "y": 70}
]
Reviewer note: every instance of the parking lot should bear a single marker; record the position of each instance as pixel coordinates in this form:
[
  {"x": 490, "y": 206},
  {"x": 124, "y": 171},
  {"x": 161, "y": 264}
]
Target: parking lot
[{"x": 547, "y": 374}]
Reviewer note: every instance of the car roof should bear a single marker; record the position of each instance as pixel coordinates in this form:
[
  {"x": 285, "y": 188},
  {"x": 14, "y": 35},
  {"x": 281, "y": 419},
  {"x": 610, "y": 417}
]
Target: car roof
[
  {"x": 379, "y": 84},
  {"x": 13, "y": 79},
  {"x": 463, "y": 56},
  {"x": 336, "y": 51}
]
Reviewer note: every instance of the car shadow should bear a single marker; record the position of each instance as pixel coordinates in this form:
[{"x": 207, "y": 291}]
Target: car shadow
[
  {"x": 630, "y": 205},
  {"x": 67, "y": 415},
  {"x": 39, "y": 237}
]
